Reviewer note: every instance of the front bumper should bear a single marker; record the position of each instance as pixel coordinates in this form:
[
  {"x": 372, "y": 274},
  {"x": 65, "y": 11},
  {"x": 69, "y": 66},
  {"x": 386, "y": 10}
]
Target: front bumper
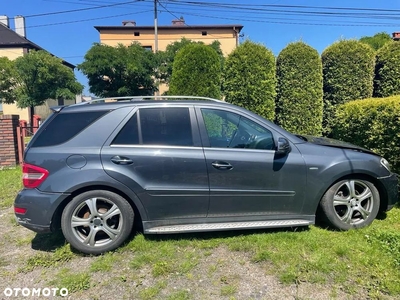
[
  {"x": 390, "y": 184},
  {"x": 40, "y": 208}
]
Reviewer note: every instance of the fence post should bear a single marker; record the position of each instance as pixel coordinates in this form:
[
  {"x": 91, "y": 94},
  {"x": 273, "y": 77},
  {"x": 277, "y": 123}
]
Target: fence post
[{"x": 9, "y": 140}]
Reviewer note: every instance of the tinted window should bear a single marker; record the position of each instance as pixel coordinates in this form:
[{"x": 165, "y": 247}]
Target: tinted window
[
  {"x": 65, "y": 126},
  {"x": 129, "y": 133},
  {"x": 166, "y": 126},
  {"x": 229, "y": 130}
]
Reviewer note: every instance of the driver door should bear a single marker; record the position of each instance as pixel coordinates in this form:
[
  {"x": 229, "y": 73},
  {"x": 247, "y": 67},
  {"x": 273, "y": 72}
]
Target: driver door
[{"x": 245, "y": 177}]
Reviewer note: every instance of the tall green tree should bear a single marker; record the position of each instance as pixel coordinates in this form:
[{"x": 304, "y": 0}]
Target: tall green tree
[
  {"x": 36, "y": 77},
  {"x": 165, "y": 59},
  {"x": 196, "y": 72},
  {"x": 299, "y": 90},
  {"x": 250, "y": 79},
  {"x": 387, "y": 70},
  {"x": 348, "y": 72},
  {"x": 119, "y": 71},
  {"x": 7, "y": 80},
  {"x": 377, "y": 41}
]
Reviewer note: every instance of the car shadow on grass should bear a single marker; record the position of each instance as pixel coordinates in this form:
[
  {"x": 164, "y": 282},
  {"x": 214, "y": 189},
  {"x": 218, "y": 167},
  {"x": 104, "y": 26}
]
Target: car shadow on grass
[{"x": 48, "y": 241}]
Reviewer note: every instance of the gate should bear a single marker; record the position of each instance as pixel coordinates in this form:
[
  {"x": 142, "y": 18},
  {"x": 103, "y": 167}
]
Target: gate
[{"x": 24, "y": 134}]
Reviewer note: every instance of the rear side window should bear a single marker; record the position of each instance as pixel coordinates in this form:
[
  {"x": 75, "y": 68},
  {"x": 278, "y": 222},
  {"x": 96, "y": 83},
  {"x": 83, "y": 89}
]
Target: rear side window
[
  {"x": 64, "y": 127},
  {"x": 158, "y": 126}
]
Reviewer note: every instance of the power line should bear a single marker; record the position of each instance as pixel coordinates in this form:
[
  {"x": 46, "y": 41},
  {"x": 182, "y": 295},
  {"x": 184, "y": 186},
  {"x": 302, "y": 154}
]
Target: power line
[
  {"x": 79, "y": 9},
  {"x": 85, "y": 20}
]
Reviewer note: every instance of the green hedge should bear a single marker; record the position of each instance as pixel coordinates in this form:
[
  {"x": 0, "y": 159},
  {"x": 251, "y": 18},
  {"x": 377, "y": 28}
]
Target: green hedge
[
  {"x": 196, "y": 72},
  {"x": 299, "y": 90},
  {"x": 348, "y": 70},
  {"x": 372, "y": 123},
  {"x": 250, "y": 79},
  {"x": 387, "y": 70}
]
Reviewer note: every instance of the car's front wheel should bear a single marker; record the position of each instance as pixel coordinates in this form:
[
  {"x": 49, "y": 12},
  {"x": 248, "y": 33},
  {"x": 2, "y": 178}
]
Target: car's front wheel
[
  {"x": 95, "y": 222},
  {"x": 350, "y": 203}
]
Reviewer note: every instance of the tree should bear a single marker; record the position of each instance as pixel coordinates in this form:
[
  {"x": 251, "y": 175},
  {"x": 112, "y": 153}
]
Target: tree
[
  {"x": 348, "y": 72},
  {"x": 377, "y": 41},
  {"x": 165, "y": 59},
  {"x": 119, "y": 71},
  {"x": 250, "y": 79},
  {"x": 387, "y": 70},
  {"x": 36, "y": 77},
  {"x": 7, "y": 80},
  {"x": 299, "y": 89},
  {"x": 196, "y": 72}
]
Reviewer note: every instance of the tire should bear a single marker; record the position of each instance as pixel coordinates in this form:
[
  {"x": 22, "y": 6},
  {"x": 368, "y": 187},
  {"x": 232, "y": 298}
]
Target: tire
[
  {"x": 350, "y": 203},
  {"x": 95, "y": 222}
]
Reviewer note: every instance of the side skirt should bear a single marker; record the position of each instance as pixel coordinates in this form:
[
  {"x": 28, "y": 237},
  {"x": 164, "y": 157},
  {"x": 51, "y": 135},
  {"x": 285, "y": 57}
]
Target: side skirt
[{"x": 178, "y": 228}]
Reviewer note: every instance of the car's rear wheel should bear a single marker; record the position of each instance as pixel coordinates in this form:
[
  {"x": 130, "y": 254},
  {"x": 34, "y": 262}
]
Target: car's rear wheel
[
  {"x": 350, "y": 203},
  {"x": 95, "y": 222}
]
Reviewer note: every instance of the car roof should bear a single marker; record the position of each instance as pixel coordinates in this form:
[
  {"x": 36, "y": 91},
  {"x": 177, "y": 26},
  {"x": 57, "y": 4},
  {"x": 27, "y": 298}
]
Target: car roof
[{"x": 117, "y": 102}]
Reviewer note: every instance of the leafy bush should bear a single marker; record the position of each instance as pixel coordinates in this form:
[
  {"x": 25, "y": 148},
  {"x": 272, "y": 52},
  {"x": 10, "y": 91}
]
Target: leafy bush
[
  {"x": 196, "y": 72},
  {"x": 377, "y": 41},
  {"x": 372, "y": 123},
  {"x": 387, "y": 70},
  {"x": 299, "y": 98},
  {"x": 250, "y": 79},
  {"x": 348, "y": 73}
]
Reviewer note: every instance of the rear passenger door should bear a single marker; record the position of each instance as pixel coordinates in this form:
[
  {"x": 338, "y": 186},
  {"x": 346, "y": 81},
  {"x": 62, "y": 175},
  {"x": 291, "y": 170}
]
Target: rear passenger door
[{"x": 158, "y": 154}]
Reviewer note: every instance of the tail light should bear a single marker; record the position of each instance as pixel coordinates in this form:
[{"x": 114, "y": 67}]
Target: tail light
[
  {"x": 33, "y": 176},
  {"x": 20, "y": 210}
]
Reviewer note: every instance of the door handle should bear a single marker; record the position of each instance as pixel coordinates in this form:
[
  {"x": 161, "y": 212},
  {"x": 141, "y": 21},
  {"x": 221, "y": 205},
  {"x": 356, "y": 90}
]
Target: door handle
[
  {"x": 121, "y": 160},
  {"x": 221, "y": 165}
]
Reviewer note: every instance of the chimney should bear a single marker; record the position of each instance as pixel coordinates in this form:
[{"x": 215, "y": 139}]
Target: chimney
[
  {"x": 20, "y": 25},
  {"x": 5, "y": 21},
  {"x": 129, "y": 23},
  {"x": 178, "y": 22},
  {"x": 396, "y": 36}
]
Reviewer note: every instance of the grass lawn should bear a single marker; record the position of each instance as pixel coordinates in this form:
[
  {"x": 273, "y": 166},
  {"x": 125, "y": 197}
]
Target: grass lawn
[{"x": 355, "y": 264}]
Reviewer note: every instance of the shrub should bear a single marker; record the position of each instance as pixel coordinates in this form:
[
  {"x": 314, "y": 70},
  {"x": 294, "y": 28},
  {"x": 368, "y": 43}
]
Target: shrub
[
  {"x": 377, "y": 41},
  {"x": 196, "y": 72},
  {"x": 373, "y": 124},
  {"x": 250, "y": 79},
  {"x": 387, "y": 70},
  {"x": 348, "y": 73},
  {"x": 299, "y": 89}
]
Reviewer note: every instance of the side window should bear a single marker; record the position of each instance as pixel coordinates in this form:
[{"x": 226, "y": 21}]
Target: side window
[
  {"x": 166, "y": 126},
  {"x": 129, "y": 134},
  {"x": 159, "y": 126},
  {"x": 65, "y": 126},
  {"x": 229, "y": 130}
]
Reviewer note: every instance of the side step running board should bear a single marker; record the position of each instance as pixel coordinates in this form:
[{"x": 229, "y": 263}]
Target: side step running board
[{"x": 227, "y": 226}]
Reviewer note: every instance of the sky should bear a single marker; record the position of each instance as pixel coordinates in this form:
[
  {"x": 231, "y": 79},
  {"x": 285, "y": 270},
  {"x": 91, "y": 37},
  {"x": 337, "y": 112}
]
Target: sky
[{"x": 66, "y": 27}]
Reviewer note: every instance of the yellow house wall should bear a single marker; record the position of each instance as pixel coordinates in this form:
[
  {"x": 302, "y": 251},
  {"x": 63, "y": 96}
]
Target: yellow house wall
[
  {"x": 12, "y": 109},
  {"x": 11, "y": 53},
  {"x": 226, "y": 37}
]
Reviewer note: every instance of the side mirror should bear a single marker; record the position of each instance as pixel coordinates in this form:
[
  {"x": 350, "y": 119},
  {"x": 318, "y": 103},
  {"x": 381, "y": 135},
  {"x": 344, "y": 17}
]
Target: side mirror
[{"x": 283, "y": 147}]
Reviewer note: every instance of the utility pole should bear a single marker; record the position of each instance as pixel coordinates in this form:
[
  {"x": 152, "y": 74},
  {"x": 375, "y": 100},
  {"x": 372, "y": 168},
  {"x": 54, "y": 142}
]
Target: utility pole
[{"x": 155, "y": 27}]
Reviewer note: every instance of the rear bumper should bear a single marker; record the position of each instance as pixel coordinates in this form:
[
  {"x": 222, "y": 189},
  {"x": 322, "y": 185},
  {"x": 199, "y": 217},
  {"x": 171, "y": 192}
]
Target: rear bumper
[
  {"x": 390, "y": 184},
  {"x": 40, "y": 208}
]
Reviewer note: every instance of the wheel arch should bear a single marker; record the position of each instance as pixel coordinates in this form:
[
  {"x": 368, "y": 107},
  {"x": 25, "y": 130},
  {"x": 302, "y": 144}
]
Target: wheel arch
[
  {"x": 383, "y": 197},
  {"x": 138, "y": 209}
]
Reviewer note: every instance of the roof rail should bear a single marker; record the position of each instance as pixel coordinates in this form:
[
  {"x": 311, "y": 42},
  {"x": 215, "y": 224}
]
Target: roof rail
[{"x": 144, "y": 98}]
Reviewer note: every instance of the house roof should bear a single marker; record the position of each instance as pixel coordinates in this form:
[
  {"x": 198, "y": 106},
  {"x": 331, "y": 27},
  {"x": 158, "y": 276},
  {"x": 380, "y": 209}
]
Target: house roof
[
  {"x": 172, "y": 27},
  {"x": 9, "y": 38}
]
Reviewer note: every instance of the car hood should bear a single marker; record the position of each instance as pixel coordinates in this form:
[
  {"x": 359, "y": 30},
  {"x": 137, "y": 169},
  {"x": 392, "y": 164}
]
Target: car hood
[{"x": 335, "y": 143}]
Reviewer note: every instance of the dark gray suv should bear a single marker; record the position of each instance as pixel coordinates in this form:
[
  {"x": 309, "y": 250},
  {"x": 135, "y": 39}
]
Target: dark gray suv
[{"x": 184, "y": 164}]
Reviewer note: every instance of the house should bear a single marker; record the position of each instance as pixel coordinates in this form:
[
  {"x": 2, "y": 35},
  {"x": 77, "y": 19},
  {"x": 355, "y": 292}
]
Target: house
[
  {"x": 227, "y": 35},
  {"x": 14, "y": 44},
  {"x": 129, "y": 32}
]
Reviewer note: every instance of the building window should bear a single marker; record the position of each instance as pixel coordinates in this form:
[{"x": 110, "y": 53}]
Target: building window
[
  {"x": 148, "y": 48},
  {"x": 204, "y": 33},
  {"x": 136, "y": 33}
]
